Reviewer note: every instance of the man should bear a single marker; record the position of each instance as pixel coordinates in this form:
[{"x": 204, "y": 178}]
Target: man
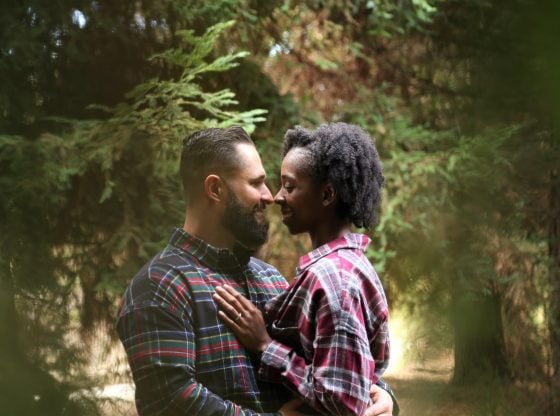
[{"x": 184, "y": 360}]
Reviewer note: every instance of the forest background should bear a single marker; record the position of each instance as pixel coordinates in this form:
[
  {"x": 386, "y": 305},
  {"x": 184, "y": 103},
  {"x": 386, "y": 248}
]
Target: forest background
[{"x": 462, "y": 97}]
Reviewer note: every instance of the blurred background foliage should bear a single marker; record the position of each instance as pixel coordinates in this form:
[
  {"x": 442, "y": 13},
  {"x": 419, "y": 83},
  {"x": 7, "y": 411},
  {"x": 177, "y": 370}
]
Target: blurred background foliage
[{"x": 461, "y": 97}]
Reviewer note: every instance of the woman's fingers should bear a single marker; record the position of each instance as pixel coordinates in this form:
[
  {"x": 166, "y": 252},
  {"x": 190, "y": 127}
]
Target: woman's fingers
[
  {"x": 233, "y": 311},
  {"x": 229, "y": 299},
  {"x": 228, "y": 321},
  {"x": 228, "y": 314},
  {"x": 238, "y": 297},
  {"x": 243, "y": 318}
]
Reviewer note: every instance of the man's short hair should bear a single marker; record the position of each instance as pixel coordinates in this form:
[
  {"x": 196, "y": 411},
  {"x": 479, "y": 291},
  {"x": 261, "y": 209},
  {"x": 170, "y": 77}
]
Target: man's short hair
[{"x": 209, "y": 151}]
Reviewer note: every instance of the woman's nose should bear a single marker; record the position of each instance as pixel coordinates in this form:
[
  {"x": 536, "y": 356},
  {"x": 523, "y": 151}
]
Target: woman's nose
[{"x": 279, "y": 197}]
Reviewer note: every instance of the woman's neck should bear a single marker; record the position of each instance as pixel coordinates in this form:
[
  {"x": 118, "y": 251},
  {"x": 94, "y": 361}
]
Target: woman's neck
[{"x": 329, "y": 231}]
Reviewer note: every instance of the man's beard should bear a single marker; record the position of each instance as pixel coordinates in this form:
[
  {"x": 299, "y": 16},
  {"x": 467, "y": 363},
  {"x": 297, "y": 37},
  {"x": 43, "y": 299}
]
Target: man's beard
[{"x": 242, "y": 223}]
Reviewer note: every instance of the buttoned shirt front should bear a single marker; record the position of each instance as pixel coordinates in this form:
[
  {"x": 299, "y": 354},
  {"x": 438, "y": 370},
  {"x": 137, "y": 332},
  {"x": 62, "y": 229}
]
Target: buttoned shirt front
[
  {"x": 330, "y": 329},
  {"x": 184, "y": 360}
]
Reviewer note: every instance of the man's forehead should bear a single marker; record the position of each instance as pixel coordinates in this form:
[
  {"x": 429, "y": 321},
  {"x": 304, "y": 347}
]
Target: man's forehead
[
  {"x": 250, "y": 171},
  {"x": 250, "y": 164}
]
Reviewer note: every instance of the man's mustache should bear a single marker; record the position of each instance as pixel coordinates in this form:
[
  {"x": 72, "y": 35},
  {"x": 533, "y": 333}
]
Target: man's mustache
[{"x": 260, "y": 207}]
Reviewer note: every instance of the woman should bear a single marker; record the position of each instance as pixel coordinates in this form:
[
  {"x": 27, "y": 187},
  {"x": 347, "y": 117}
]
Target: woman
[{"x": 327, "y": 337}]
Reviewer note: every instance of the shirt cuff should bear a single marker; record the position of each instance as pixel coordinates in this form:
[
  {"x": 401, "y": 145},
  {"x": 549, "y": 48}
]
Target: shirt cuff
[{"x": 274, "y": 361}]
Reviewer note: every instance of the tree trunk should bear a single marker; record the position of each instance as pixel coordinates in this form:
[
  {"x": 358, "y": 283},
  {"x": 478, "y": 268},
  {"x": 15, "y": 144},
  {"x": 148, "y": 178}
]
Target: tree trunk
[
  {"x": 479, "y": 339},
  {"x": 25, "y": 389},
  {"x": 8, "y": 316},
  {"x": 554, "y": 282}
]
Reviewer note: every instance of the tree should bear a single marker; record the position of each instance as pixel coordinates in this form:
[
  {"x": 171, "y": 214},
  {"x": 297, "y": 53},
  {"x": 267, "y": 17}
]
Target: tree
[
  {"x": 77, "y": 217},
  {"x": 449, "y": 89}
]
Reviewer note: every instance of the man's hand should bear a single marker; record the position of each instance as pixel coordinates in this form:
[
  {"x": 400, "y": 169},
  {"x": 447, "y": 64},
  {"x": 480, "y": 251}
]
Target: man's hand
[
  {"x": 382, "y": 402},
  {"x": 290, "y": 408}
]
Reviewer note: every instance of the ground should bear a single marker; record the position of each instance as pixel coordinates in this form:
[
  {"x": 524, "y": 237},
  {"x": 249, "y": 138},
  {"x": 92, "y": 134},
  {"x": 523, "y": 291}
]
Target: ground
[
  {"x": 425, "y": 388},
  {"x": 420, "y": 376}
]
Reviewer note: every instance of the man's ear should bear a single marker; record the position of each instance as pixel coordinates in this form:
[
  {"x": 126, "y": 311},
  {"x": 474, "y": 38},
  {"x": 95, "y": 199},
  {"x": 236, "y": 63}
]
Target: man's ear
[
  {"x": 214, "y": 188},
  {"x": 329, "y": 195}
]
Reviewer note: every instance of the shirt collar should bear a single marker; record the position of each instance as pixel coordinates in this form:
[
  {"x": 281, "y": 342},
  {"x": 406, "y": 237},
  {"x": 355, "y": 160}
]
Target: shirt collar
[
  {"x": 213, "y": 257},
  {"x": 350, "y": 240}
]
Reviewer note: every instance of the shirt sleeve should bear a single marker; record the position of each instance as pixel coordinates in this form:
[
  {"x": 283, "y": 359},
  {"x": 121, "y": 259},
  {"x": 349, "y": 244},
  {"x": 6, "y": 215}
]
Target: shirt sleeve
[
  {"x": 337, "y": 379},
  {"x": 381, "y": 344},
  {"x": 161, "y": 352}
]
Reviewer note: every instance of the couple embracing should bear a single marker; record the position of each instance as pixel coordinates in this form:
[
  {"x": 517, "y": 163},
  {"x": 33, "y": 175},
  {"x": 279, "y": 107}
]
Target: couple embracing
[{"x": 210, "y": 330}]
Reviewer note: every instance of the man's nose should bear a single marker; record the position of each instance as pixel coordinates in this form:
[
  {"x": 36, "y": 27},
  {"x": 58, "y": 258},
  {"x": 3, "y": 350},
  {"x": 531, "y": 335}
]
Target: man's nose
[{"x": 266, "y": 196}]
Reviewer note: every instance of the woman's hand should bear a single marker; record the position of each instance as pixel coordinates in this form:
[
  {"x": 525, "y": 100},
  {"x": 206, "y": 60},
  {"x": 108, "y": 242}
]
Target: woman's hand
[
  {"x": 382, "y": 402},
  {"x": 243, "y": 318}
]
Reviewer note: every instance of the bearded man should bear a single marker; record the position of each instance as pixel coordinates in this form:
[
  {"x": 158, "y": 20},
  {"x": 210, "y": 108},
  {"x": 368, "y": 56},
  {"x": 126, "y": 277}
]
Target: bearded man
[{"x": 184, "y": 359}]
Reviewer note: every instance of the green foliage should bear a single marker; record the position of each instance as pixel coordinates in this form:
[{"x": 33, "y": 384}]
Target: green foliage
[
  {"x": 462, "y": 98},
  {"x": 451, "y": 203},
  {"x": 457, "y": 107},
  {"x": 378, "y": 18},
  {"x": 89, "y": 201}
]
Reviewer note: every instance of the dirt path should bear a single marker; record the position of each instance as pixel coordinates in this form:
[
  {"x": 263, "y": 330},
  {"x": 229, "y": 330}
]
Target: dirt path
[{"x": 424, "y": 389}]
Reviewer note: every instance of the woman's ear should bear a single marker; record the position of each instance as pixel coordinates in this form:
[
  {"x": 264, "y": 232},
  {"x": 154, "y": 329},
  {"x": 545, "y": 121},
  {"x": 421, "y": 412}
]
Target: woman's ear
[
  {"x": 214, "y": 188},
  {"x": 329, "y": 195}
]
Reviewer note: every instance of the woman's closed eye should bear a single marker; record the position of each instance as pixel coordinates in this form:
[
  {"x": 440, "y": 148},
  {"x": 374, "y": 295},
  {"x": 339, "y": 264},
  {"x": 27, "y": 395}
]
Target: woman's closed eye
[{"x": 288, "y": 187}]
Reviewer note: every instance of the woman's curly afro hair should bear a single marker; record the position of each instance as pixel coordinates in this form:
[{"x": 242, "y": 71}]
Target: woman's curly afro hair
[{"x": 345, "y": 156}]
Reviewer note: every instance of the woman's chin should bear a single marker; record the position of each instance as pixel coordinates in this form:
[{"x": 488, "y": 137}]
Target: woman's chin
[{"x": 292, "y": 228}]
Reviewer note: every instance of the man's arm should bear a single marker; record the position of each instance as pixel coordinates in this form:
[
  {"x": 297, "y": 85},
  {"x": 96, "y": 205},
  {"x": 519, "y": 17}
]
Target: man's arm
[{"x": 161, "y": 353}]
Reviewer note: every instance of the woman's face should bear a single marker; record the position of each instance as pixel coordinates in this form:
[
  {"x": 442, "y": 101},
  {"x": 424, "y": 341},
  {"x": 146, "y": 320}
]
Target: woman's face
[{"x": 299, "y": 196}]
